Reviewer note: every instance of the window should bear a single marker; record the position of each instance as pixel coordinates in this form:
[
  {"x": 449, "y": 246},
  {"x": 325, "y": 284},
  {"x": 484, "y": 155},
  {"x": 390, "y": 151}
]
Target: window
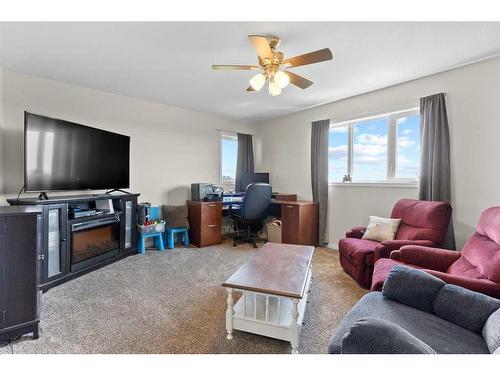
[
  {"x": 338, "y": 150},
  {"x": 408, "y": 147},
  {"x": 228, "y": 156},
  {"x": 379, "y": 149}
]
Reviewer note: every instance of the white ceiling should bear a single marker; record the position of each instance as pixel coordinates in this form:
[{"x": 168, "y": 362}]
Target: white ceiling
[{"x": 170, "y": 62}]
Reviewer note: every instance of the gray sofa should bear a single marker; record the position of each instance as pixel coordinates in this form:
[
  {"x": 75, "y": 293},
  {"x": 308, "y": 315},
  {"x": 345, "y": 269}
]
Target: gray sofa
[{"x": 418, "y": 313}]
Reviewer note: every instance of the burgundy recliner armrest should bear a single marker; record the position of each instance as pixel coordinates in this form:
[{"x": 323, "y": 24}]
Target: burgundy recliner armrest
[
  {"x": 386, "y": 247},
  {"x": 356, "y": 232},
  {"x": 484, "y": 286},
  {"x": 427, "y": 257}
]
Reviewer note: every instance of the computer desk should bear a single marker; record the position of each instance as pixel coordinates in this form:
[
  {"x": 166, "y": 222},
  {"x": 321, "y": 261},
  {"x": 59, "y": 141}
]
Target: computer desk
[{"x": 299, "y": 220}]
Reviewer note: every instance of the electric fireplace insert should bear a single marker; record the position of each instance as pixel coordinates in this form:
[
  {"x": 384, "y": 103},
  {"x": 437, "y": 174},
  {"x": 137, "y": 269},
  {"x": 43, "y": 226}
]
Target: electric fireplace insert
[{"x": 93, "y": 241}]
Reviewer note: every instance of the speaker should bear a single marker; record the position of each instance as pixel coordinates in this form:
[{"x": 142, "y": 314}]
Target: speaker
[
  {"x": 143, "y": 209},
  {"x": 199, "y": 191}
]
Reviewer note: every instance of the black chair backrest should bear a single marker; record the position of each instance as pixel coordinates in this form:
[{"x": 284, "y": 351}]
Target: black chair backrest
[{"x": 256, "y": 201}]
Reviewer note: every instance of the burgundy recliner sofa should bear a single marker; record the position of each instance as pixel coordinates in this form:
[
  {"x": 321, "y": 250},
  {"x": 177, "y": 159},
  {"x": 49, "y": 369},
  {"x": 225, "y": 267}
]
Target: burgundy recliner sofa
[
  {"x": 476, "y": 267},
  {"x": 422, "y": 223}
]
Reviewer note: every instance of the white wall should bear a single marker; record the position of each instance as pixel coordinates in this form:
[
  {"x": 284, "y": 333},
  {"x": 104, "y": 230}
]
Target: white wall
[
  {"x": 473, "y": 110},
  {"x": 170, "y": 147}
]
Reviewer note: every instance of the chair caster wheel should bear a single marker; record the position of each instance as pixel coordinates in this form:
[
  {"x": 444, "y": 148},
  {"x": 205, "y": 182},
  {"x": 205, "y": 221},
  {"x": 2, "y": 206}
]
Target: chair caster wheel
[
  {"x": 255, "y": 246},
  {"x": 234, "y": 245}
]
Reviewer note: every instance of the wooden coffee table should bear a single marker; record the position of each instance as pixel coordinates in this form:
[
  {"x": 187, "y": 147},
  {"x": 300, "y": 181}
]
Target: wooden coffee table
[{"x": 275, "y": 285}]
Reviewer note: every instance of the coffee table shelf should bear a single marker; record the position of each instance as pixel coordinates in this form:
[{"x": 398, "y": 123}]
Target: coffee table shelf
[{"x": 269, "y": 305}]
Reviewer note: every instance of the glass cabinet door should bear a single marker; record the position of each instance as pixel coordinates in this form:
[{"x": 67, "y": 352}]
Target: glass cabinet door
[
  {"x": 55, "y": 241},
  {"x": 128, "y": 224}
]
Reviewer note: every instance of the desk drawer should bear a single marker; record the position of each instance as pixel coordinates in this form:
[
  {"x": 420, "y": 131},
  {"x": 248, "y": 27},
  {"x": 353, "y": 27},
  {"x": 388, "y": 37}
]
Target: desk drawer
[
  {"x": 205, "y": 222},
  {"x": 211, "y": 231},
  {"x": 211, "y": 234},
  {"x": 211, "y": 214}
]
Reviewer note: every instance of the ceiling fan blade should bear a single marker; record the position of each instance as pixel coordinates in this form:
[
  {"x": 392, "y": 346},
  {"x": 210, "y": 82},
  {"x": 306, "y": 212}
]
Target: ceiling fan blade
[
  {"x": 310, "y": 58},
  {"x": 298, "y": 81},
  {"x": 261, "y": 45},
  {"x": 235, "y": 67},
  {"x": 250, "y": 88}
]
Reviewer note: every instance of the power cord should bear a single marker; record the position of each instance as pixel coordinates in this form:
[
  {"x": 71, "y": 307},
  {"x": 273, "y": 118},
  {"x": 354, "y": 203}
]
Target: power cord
[{"x": 20, "y": 191}]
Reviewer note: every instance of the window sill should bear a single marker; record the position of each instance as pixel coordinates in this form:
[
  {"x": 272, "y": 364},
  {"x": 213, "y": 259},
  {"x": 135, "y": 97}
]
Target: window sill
[{"x": 403, "y": 185}]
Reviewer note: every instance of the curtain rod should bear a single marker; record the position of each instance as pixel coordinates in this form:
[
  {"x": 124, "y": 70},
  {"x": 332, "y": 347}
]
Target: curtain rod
[
  {"x": 389, "y": 109},
  {"x": 441, "y": 92},
  {"x": 232, "y": 131}
]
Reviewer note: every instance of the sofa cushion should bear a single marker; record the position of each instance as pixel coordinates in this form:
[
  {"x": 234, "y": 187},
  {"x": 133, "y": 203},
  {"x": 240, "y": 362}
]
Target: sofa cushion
[
  {"x": 463, "y": 267},
  {"x": 422, "y": 220},
  {"x": 491, "y": 332},
  {"x": 378, "y": 336},
  {"x": 489, "y": 224},
  {"x": 381, "y": 269},
  {"x": 483, "y": 253},
  {"x": 412, "y": 287},
  {"x": 357, "y": 250},
  {"x": 361, "y": 273},
  {"x": 381, "y": 229},
  {"x": 442, "y": 336},
  {"x": 464, "y": 307}
]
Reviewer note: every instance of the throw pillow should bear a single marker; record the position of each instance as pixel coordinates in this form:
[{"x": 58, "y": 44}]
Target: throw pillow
[
  {"x": 491, "y": 332},
  {"x": 381, "y": 229},
  {"x": 175, "y": 216}
]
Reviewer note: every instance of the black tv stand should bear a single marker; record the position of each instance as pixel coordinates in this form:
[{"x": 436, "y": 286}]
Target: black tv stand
[
  {"x": 43, "y": 196},
  {"x": 55, "y": 221},
  {"x": 118, "y": 190}
]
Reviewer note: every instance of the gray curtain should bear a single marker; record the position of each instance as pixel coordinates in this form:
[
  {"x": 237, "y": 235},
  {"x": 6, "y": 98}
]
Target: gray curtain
[
  {"x": 435, "y": 155},
  {"x": 319, "y": 171},
  {"x": 244, "y": 162}
]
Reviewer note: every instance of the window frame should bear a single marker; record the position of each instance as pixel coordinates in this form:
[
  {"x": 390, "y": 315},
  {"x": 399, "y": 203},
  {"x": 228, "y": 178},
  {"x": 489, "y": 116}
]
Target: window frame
[
  {"x": 223, "y": 134},
  {"x": 392, "y": 149}
]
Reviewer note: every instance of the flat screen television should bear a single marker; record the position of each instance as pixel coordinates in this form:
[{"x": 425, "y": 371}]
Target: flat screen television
[{"x": 62, "y": 155}]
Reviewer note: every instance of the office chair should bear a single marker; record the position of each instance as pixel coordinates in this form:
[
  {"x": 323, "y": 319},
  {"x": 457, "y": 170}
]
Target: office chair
[{"x": 251, "y": 214}]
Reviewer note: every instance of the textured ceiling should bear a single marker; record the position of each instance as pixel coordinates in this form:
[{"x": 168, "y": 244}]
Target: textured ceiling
[{"x": 170, "y": 63}]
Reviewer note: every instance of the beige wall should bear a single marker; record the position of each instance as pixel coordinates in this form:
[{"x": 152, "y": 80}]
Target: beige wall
[
  {"x": 170, "y": 147},
  {"x": 473, "y": 109},
  {"x": 1, "y": 127}
]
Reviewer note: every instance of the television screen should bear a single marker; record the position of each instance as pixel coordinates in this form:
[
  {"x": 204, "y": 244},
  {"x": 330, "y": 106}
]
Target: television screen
[{"x": 61, "y": 155}]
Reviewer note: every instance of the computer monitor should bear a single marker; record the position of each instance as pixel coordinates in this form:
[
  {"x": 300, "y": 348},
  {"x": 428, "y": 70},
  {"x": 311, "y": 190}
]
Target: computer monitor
[{"x": 250, "y": 178}]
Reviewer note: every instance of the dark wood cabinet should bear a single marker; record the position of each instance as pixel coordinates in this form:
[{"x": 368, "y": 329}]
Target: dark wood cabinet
[
  {"x": 205, "y": 223},
  {"x": 299, "y": 222},
  {"x": 18, "y": 277}
]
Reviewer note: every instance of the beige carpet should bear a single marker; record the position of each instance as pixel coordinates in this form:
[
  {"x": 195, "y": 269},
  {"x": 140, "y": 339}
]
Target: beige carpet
[{"x": 173, "y": 302}]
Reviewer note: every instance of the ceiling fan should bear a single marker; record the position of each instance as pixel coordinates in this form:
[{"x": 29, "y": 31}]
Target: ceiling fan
[{"x": 273, "y": 65}]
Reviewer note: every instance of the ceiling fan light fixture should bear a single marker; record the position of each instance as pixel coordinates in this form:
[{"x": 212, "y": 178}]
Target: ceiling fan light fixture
[
  {"x": 282, "y": 79},
  {"x": 274, "y": 88},
  {"x": 273, "y": 66},
  {"x": 257, "y": 81}
]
